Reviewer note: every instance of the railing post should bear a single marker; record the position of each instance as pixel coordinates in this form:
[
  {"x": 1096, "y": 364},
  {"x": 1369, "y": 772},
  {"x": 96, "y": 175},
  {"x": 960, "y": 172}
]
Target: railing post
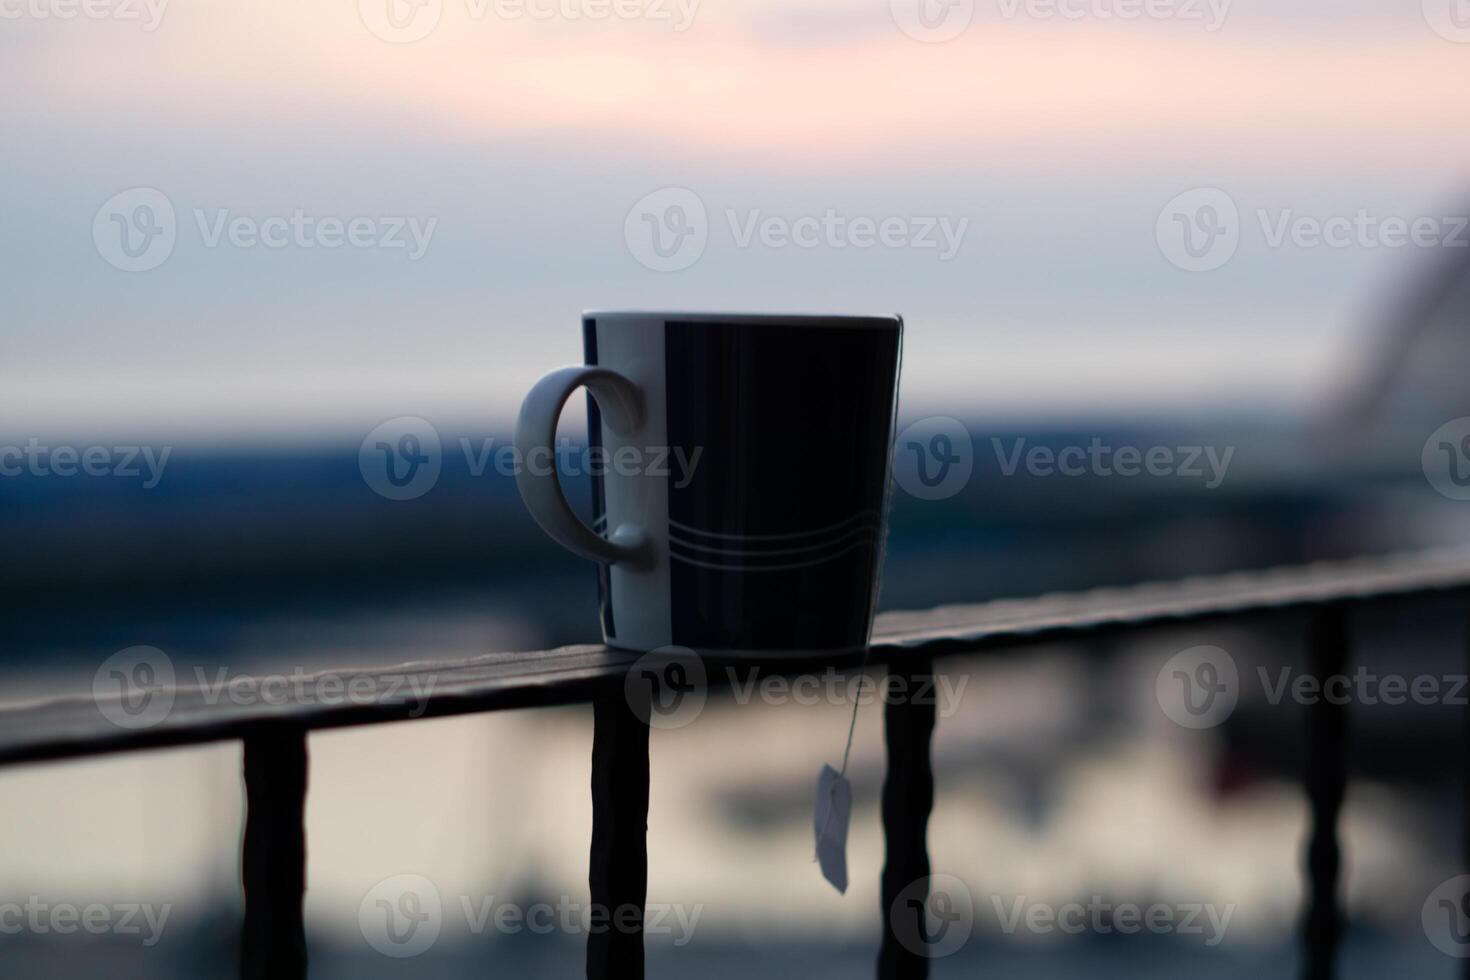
[
  {"x": 618, "y": 871},
  {"x": 1325, "y": 780},
  {"x": 1465, "y": 775},
  {"x": 908, "y": 797},
  {"x": 273, "y": 858}
]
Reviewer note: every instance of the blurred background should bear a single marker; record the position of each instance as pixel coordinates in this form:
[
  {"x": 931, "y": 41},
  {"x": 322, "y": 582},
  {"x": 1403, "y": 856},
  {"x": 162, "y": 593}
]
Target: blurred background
[{"x": 240, "y": 239}]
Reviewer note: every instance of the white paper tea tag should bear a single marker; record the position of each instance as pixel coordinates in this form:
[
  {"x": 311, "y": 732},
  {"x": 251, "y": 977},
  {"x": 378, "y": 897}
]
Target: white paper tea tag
[{"x": 834, "y": 809}]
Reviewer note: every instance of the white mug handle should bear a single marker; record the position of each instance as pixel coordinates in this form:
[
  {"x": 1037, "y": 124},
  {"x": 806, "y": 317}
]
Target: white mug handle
[{"x": 621, "y": 404}]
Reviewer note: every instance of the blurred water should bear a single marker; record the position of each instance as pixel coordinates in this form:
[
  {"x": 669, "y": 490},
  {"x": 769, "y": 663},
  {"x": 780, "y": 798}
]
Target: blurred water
[{"x": 815, "y": 958}]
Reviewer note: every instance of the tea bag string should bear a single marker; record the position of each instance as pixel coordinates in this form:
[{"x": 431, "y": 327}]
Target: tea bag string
[
  {"x": 857, "y": 701},
  {"x": 852, "y": 726},
  {"x": 846, "y": 751}
]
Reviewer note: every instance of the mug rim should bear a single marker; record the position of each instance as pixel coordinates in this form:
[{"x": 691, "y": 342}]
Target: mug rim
[{"x": 889, "y": 320}]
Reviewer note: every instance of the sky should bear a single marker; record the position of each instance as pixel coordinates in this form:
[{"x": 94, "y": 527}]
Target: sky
[{"x": 1026, "y": 159}]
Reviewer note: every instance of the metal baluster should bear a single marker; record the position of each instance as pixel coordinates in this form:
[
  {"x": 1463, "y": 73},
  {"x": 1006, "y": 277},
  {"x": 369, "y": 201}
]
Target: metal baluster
[
  {"x": 618, "y": 873},
  {"x": 1325, "y": 780},
  {"x": 908, "y": 797},
  {"x": 273, "y": 858}
]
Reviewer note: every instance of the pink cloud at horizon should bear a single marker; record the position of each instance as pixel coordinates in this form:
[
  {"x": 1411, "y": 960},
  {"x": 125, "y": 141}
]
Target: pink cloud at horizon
[{"x": 1010, "y": 94}]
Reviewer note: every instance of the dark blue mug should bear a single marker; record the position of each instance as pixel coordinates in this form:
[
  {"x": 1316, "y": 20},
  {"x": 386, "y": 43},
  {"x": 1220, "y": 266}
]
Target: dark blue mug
[{"x": 740, "y": 470}]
